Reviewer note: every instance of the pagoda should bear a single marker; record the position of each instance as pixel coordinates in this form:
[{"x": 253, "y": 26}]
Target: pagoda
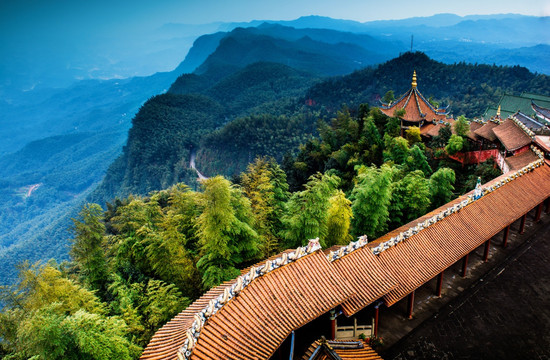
[{"x": 418, "y": 110}]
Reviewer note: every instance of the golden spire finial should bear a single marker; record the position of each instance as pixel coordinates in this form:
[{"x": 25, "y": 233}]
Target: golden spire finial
[
  {"x": 414, "y": 79},
  {"x": 498, "y": 111}
]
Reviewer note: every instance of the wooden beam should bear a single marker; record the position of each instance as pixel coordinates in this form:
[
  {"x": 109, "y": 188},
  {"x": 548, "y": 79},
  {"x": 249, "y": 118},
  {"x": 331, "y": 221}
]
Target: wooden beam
[
  {"x": 539, "y": 212},
  {"x": 333, "y": 324},
  {"x": 486, "y": 250},
  {"x": 376, "y": 315},
  {"x": 439, "y": 283},
  {"x": 465, "y": 265},
  {"x": 505, "y": 238},
  {"x": 410, "y": 306},
  {"x": 522, "y": 224}
]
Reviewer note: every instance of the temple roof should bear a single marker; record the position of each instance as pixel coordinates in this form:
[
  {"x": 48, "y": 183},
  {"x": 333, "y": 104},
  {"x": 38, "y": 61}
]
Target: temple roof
[
  {"x": 540, "y": 111},
  {"x": 340, "y": 350},
  {"x": 250, "y": 317},
  {"x": 543, "y": 142},
  {"x": 486, "y": 131},
  {"x": 416, "y": 107},
  {"x": 373, "y": 283},
  {"x": 528, "y": 121},
  {"x": 517, "y": 162},
  {"x": 511, "y": 135},
  {"x": 474, "y": 125}
]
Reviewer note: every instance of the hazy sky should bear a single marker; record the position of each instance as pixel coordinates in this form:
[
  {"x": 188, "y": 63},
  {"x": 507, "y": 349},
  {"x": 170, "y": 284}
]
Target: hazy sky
[{"x": 95, "y": 15}]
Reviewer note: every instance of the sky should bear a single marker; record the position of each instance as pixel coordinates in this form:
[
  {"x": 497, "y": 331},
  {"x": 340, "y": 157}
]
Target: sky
[{"x": 103, "y": 15}]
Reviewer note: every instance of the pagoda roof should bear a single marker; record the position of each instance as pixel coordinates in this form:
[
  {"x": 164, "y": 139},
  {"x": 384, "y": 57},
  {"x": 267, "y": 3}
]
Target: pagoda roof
[
  {"x": 416, "y": 107},
  {"x": 340, "y": 349},
  {"x": 486, "y": 131},
  {"x": 511, "y": 135}
]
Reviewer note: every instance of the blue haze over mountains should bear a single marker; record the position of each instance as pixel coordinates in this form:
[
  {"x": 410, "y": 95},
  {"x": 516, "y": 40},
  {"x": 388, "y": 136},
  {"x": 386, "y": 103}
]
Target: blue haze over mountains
[{"x": 65, "y": 118}]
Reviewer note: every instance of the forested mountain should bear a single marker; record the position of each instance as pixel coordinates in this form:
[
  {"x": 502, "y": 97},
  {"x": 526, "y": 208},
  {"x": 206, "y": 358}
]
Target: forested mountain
[
  {"x": 168, "y": 127},
  {"x": 468, "y": 89},
  {"x": 268, "y": 104}
]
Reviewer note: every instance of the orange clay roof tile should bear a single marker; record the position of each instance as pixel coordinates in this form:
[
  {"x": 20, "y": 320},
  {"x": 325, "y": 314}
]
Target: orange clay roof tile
[
  {"x": 372, "y": 283},
  {"x": 417, "y": 108},
  {"x": 343, "y": 349},
  {"x": 486, "y": 131},
  {"x": 517, "y": 162},
  {"x": 511, "y": 135}
]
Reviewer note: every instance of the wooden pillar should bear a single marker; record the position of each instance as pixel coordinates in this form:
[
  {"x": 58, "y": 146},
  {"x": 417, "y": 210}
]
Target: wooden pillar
[
  {"x": 548, "y": 206},
  {"x": 332, "y": 324},
  {"x": 376, "y": 315},
  {"x": 465, "y": 265},
  {"x": 505, "y": 238},
  {"x": 522, "y": 224},
  {"x": 439, "y": 283},
  {"x": 539, "y": 211},
  {"x": 486, "y": 250},
  {"x": 410, "y": 306}
]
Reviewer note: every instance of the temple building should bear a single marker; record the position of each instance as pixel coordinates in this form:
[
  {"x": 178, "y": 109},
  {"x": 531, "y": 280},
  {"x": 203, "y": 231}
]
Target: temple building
[{"x": 418, "y": 111}]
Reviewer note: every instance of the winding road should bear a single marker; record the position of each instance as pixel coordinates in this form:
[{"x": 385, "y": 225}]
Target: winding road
[{"x": 192, "y": 165}]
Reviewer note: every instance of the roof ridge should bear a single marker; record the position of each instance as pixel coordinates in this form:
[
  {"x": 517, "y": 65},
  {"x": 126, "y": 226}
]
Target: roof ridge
[
  {"x": 348, "y": 249},
  {"x": 242, "y": 281},
  {"x": 478, "y": 193},
  {"x": 522, "y": 127}
]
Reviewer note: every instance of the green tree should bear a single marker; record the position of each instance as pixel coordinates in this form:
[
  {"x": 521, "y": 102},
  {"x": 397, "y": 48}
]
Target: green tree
[
  {"x": 339, "y": 220},
  {"x": 88, "y": 250},
  {"x": 455, "y": 144},
  {"x": 441, "y": 186},
  {"x": 225, "y": 234},
  {"x": 388, "y": 97},
  {"x": 412, "y": 134},
  {"x": 264, "y": 184},
  {"x": 307, "y": 211},
  {"x": 461, "y": 126},
  {"x": 371, "y": 198},
  {"x": 397, "y": 150},
  {"x": 417, "y": 161},
  {"x": 49, "y": 316}
]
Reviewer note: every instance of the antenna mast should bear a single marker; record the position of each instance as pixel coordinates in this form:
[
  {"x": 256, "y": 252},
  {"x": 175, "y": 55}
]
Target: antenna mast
[{"x": 412, "y": 37}]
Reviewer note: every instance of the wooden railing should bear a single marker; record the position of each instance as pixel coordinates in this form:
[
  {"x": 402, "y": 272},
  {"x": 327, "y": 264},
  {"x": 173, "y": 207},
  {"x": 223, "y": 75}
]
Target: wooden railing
[{"x": 353, "y": 331}]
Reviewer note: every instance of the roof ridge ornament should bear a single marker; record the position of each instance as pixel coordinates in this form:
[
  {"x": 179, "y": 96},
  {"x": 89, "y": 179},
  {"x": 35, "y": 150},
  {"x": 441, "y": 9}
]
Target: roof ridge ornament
[
  {"x": 414, "y": 84},
  {"x": 478, "y": 192}
]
